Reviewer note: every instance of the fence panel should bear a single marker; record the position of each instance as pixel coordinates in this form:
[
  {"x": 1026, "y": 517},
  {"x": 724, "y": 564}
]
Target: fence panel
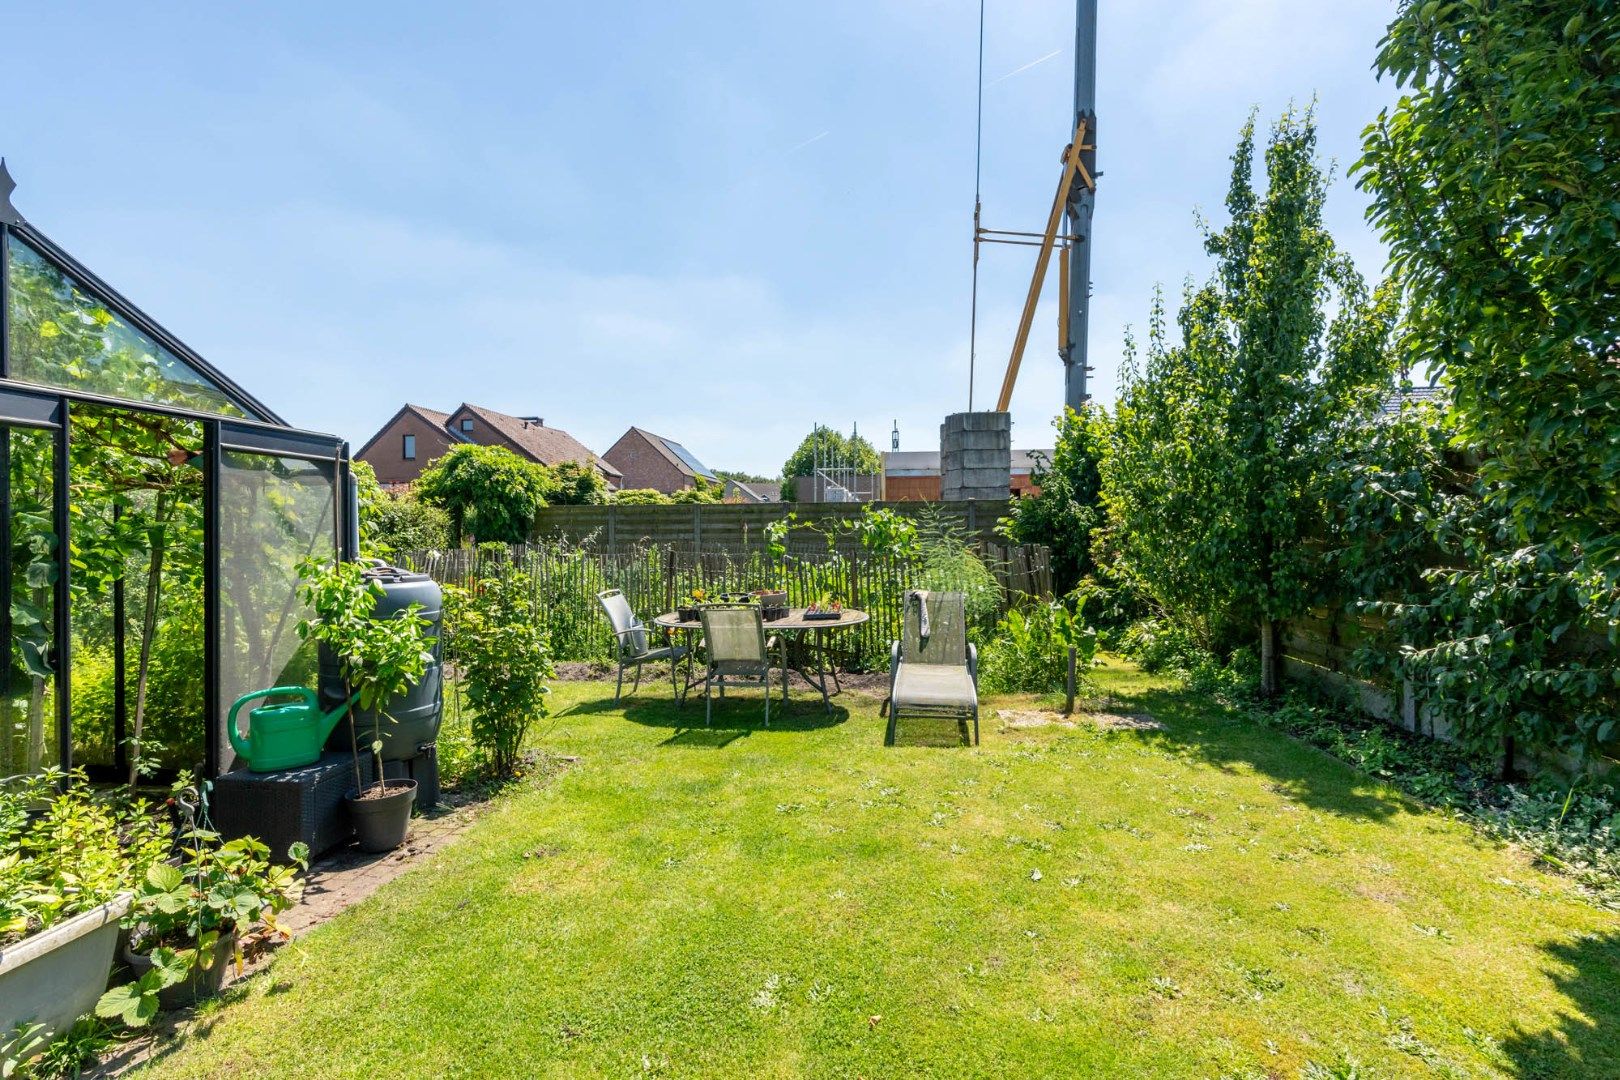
[
  {"x": 565, "y": 579},
  {"x": 732, "y": 525}
]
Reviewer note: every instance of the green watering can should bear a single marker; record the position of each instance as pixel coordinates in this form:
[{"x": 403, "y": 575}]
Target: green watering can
[{"x": 283, "y": 736}]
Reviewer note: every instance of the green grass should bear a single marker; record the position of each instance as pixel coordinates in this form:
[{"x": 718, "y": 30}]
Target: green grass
[{"x": 1206, "y": 900}]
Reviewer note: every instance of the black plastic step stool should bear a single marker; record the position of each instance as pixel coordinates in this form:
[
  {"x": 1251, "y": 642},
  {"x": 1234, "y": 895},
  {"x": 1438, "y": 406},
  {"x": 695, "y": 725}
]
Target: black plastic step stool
[{"x": 289, "y": 805}]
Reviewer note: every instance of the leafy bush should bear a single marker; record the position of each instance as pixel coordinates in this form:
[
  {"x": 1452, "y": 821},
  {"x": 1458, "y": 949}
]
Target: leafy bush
[
  {"x": 399, "y": 521},
  {"x": 640, "y": 497},
  {"x": 63, "y": 852},
  {"x": 379, "y": 658},
  {"x": 1160, "y": 646},
  {"x": 1030, "y": 650},
  {"x": 1069, "y": 506},
  {"x": 488, "y": 492},
  {"x": 505, "y": 660},
  {"x": 181, "y": 912}
]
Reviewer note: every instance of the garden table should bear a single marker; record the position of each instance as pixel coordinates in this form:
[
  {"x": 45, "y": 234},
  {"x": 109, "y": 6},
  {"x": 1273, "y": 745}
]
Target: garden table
[{"x": 812, "y": 663}]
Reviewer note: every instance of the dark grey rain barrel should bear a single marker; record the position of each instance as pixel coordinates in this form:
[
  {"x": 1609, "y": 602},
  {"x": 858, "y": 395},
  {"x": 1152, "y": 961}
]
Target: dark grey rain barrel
[{"x": 415, "y": 713}]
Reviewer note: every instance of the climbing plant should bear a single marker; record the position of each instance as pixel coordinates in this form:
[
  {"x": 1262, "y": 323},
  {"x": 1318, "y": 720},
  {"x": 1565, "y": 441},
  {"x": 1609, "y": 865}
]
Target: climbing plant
[{"x": 1492, "y": 182}]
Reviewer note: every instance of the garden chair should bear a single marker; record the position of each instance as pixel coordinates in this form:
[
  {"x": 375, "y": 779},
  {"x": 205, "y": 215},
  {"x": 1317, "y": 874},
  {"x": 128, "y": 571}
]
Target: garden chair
[
  {"x": 634, "y": 645},
  {"x": 933, "y": 669},
  {"x": 734, "y": 635}
]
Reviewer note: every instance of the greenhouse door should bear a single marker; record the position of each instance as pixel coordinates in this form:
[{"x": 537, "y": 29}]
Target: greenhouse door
[
  {"x": 277, "y": 506},
  {"x": 31, "y": 519}
]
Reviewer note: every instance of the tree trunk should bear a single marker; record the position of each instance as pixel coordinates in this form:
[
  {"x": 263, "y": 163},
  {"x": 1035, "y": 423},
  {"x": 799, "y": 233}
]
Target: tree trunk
[
  {"x": 1270, "y": 660},
  {"x": 149, "y": 618}
]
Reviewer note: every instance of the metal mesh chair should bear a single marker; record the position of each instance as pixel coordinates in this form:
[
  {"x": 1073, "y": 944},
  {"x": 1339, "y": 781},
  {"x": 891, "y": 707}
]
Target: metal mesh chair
[
  {"x": 933, "y": 668},
  {"x": 734, "y": 635},
  {"x": 634, "y": 645}
]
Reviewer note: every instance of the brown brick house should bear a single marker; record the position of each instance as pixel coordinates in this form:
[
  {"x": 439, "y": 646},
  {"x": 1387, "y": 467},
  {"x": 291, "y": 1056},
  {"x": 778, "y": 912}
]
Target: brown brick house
[
  {"x": 416, "y": 437},
  {"x": 645, "y": 460},
  {"x": 913, "y": 475}
]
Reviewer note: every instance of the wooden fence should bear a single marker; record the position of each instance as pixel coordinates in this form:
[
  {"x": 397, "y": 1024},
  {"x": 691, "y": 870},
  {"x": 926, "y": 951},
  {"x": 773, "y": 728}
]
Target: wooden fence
[
  {"x": 742, "y": 525},
  {"x": 565, "y": 578},
  {"x": 1320, "y": 647}
]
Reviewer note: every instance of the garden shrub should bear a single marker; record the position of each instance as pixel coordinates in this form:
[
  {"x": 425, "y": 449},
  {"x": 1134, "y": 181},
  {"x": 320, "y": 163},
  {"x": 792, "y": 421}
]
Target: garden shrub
[
  {"x": 488, "y": 492},
  {"x": 504, "y": 660},
  {"x": 1069, "y": 506},
  {"x": 1029, "y": 651}
]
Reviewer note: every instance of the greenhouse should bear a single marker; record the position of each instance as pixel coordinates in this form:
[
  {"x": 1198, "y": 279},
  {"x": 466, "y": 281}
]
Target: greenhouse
[{"x": 186, "y": 505}]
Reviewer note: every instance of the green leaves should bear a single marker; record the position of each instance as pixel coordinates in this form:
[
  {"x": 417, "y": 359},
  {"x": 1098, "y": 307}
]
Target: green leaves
[
  {"x": 133, "y": 1003},
  {"x": 492, "y": 494},
  {"x": 505, "y": 659},
  {"x": 1489, "y": 185},
  {"x": 1213, "y": 474}
]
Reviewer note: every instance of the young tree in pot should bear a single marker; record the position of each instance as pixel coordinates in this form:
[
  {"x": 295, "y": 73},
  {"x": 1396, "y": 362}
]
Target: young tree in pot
[{"x": 379, "y": 659}]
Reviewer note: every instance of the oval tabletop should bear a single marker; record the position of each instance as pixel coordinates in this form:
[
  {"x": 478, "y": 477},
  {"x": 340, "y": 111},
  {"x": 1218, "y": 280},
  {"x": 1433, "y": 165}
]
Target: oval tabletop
[{"x": 795, "y": 620}]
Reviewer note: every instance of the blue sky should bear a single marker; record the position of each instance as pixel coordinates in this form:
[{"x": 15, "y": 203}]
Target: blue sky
[{"x": 720, "y": 222}]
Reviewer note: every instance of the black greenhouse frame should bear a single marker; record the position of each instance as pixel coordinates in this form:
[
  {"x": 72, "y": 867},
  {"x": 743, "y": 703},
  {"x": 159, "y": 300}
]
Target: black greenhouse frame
[{"x": 32, "y": 406}]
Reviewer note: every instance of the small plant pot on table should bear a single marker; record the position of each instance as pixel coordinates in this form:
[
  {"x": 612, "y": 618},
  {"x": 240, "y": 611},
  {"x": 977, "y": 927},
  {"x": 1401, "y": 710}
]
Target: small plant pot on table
[{"x": 382, "y": 814}]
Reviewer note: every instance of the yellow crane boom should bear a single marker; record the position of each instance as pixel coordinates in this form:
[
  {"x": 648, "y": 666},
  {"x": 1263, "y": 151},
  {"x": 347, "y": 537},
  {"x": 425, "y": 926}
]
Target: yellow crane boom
[{"x": 1071, "y": 168}]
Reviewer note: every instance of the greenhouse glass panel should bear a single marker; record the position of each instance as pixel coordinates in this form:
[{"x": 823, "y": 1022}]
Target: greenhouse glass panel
[
  {"x": 28, "y": 739},
  {"x": 274, "y": 512},
  {"x": 62, "y": 335},
  {"x": 136, "y": 590}
]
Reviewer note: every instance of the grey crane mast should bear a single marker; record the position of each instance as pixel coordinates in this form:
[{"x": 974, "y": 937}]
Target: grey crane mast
[{"x": 1082, "y": 202}]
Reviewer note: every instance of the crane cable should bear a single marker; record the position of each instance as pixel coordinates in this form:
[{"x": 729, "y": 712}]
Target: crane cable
[{"x": 978, "y": 158}]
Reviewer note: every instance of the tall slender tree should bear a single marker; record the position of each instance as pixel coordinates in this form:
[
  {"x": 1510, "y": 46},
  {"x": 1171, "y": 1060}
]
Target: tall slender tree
[{"x": 1214, "y": 472}]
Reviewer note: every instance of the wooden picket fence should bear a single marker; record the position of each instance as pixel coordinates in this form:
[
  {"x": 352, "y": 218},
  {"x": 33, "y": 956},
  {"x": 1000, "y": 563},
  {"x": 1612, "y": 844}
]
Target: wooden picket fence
[{"x": 564, "y": 580}]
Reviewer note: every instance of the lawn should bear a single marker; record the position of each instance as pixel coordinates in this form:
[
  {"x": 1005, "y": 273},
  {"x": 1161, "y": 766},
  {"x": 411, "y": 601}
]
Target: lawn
[{"x": 1206, "y": 899}]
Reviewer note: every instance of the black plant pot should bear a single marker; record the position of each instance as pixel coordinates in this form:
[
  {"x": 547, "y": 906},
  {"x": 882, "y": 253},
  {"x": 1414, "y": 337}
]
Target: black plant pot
[
  {"x": 380, "y": 823},
  {"x": 203, "y": 983}
]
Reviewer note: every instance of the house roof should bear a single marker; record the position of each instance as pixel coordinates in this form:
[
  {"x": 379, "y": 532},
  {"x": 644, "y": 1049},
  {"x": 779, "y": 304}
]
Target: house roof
[
  {"x": 678, "y": 455},
  {"x": 1397, "y": 399},
  {"x": 757, "y": 491},
  {"x": 431, "y": 416},
  {"x": 547, "y": 445}
]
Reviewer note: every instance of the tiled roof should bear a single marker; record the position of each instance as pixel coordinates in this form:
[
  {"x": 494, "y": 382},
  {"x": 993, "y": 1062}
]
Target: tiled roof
[
  {"x": 440, "y": 418},
  {"x": 757, "y": 490},
  {"x": 1412, "y": 395},
  {"x": 547, "y": 445}
]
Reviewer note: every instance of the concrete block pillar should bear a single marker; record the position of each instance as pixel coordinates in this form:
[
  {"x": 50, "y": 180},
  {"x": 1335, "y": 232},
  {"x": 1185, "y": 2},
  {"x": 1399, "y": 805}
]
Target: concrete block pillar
[{"x": 975, "y": 456}]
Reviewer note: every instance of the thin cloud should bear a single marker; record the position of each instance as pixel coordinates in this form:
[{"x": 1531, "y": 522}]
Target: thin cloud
[
  {"x": 1026, "y": 67},
  {"x": 807, "y": 142}
]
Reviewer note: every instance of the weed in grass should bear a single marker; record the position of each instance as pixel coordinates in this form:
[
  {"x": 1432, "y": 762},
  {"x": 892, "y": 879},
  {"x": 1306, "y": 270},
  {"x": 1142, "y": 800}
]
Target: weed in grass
[{"x": 1166, "y": 987}]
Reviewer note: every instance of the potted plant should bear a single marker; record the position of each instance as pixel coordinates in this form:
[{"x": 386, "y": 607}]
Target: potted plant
[
  {"x": 687, "y": 610},
  {"x": 189, "y": 922},
  {"x": 379, "y": 658},
  {"x": 827, "y": 607},
  {"x": 773, "y": 603},
  {"x": 69, "y": 860}
]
